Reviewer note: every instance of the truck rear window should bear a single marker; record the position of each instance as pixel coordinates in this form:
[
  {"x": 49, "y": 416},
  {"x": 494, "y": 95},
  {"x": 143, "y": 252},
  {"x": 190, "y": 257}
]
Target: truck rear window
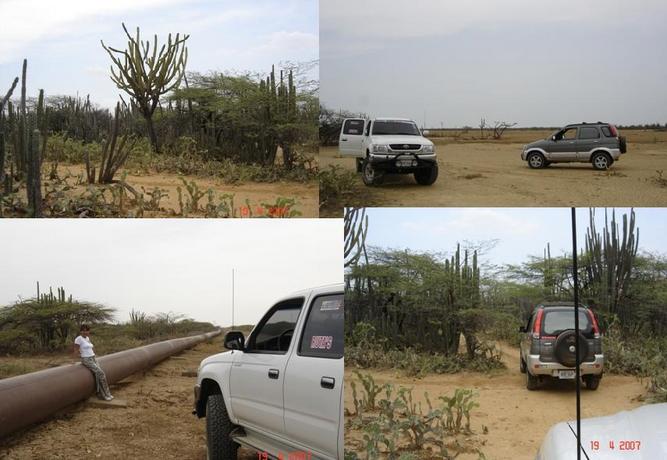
[
  {"x": 323, "y": 333},
  {"x": 353, "y": 127},
  {"x": 557, "y": 321}
]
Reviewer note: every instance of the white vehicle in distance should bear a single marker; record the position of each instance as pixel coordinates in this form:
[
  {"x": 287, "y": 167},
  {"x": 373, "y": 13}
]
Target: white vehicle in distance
[
  {"x": 279, "y": 392},
  {"x": 638, "y": 434},
  {"x": 388, "y": 146}
]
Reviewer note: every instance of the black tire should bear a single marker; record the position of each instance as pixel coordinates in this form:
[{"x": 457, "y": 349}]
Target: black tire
[
  {"x": 532, "y": 381},
  {"x": 592, "y": 381},
  {"x": 370, "y": 175},
  {"x": 536, "y": 160},
  {"x": 427, "y": 176},
  {"x": 623, "y": 144},
  {"x": 564, "y": 348},
  {"x": 601, "y": 161},
  {"x": 219, "y": 445},
  {"x": 522, "y": 365}
]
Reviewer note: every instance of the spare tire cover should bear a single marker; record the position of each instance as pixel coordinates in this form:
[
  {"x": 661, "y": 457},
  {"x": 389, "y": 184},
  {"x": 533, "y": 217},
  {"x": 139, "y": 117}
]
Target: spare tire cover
[{"x": 565, "y": 346}]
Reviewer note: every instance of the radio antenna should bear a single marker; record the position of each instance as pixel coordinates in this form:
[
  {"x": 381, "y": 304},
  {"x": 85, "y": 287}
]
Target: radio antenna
[{"x": 577, "y": 359}]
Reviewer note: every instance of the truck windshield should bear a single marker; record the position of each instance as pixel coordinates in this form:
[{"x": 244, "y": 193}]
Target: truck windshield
[{"x": 390, "y": 127}]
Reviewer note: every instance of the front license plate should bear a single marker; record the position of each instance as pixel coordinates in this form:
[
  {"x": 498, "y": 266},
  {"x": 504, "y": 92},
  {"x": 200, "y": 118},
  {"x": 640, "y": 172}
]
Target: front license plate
[
  {"x": 404, "y": 163},
  {"x": 566, "y": 374}
]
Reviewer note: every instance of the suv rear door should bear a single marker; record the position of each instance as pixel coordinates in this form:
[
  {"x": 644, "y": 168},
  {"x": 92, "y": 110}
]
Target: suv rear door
[
  {"x": 258, "y": 372},
  {"x": 351, "y": 137},
  {"x": 559, "y": 319},
  {"x": 587, "y": 141},
  {"x": 314, "y": 379}
]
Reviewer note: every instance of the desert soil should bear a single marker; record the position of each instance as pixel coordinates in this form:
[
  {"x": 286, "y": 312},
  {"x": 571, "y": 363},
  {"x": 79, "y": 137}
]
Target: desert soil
[
  {"x": 157, "y": 422},
  {"x": 306, "y": 194},
  {"x": 517, "y": 419},
  {"x": 491, "y": 173}
]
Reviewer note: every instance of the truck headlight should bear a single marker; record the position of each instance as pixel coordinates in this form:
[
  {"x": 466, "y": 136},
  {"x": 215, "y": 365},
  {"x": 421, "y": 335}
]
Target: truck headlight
[
  {"x": 378, "y": 148},
  {"x": 428, "y": 148}
]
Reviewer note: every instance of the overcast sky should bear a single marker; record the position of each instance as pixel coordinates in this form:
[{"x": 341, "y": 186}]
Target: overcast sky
[
  {"x": 166, "y": 265},
  {"x": 61, "y": 40},
  {"x": 537, "y": 63},
  {"x": 521, "y": 232}
]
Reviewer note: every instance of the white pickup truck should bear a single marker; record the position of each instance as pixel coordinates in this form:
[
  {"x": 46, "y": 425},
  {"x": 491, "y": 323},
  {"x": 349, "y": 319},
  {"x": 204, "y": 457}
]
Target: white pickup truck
[
  {"x": 280, "y": 392},
  {"x": 388, "y": 145}
]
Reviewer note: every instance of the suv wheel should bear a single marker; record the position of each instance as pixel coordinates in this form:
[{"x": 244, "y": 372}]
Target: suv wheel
[
  {"x": 219, "y": 444},
  {"x": 369, "y": 175},
  {"x": 427, "y": 176},
  {"x": 536, "y": 160},
  {"x": 592, "y": 381},
  {"x": 601, "y": 161},
  {"x": 564, "y": 348},
  {"x": 532, "y": 381}
]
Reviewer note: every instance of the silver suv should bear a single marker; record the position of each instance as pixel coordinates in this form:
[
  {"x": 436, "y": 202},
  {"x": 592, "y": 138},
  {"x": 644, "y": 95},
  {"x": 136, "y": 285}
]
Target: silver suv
[
  {"x": 596, "y": 143},
  {"x": 547, "y": 345}
]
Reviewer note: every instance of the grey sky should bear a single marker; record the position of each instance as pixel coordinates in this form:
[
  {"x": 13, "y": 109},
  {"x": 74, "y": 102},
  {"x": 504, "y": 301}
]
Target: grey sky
[
  {"x": 521, "y": 232},
  {"x": 62, "y": 43},
  {"x": 166, "y": 265},
  {"x": 537, "y": 63}
]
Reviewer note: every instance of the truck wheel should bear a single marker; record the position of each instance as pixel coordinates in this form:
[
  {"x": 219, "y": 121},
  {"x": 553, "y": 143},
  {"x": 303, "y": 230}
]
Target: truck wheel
[
  {"x": 531, "y": 381},
  {"x": 601, "y": 161},
  {"x": 369, "y": 174},
  {"x": 592, "y": 381},
  {"x": 427, "y": 176},
  {"x": 219, "y": 445},
  {"x": 536, "y": 160}
]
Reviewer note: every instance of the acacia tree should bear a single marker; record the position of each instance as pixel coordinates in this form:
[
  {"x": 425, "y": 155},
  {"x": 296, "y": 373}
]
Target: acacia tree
[{"x": 147, "y": 73}]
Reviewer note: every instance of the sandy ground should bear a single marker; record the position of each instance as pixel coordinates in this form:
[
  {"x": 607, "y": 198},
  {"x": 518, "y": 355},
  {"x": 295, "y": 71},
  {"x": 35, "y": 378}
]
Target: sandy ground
[
  {"x": 517, "y": 419},
  {"x": 306, "y": 195},
  {"x": 491, "y": 173},
  {"x": 157, "y": 422}
]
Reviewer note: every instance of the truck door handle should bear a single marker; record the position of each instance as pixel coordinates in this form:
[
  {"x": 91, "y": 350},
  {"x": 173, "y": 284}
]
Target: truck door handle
[
  {"x": 328, "y": 382},
  {"x": 344, "y": 139},
  {"x": 274, "y": 373}
]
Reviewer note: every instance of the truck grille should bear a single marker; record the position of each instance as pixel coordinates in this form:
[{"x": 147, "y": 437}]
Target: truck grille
[{"x": 405, "y": 146}]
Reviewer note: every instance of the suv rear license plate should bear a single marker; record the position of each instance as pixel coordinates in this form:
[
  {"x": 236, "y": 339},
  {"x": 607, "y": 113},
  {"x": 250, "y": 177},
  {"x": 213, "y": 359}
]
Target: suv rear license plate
[
  {"x": 566, "y": 374},
  {"x": 405, "y": 163}
]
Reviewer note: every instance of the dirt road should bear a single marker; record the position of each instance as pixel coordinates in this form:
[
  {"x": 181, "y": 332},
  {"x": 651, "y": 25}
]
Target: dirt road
[
  {"x": 517, "y": 419},
  {"x": 156, "y": 423},
  {"x": 492, "y": 174}
]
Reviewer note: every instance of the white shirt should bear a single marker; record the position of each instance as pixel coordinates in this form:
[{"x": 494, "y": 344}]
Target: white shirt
[{"x": 85, "y": 346}]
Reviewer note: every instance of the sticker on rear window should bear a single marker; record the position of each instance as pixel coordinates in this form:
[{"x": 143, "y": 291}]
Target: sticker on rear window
[
  {"x": 331, "y": 305},
  {"x": 321, "y": 342}
]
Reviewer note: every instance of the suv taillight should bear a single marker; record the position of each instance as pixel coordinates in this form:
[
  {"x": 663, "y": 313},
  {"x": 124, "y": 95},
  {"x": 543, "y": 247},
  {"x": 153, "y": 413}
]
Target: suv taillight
[
  {"x": 594, "y": 322},
  {"x": 537, "y": 327},
  {"x": 614, "y": 131}
]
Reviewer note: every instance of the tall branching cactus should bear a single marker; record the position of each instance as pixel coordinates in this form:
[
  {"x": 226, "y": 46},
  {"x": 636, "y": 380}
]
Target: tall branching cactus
[
  {"x": 610, "y": 257},
  {"x": 355, "y": 230},
  {"x": 281, "y": 111},
  {"x": 147, "y": 73},
  {"x": 3, "y": 102}
]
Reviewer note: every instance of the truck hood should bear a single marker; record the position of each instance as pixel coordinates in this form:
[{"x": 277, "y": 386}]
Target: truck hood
[
  {"x": 226, "y": 357},
  {"x": 646, "y": 425},
  {"x": 388, "y": 139}
]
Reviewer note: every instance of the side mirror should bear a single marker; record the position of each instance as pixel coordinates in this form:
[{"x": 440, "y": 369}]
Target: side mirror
[
  {"x": 553, "y": 138},
  {"x": 522, "y": 328},
  {"x": 234, "y": 340},
  {"x": 426, "y": 132}
]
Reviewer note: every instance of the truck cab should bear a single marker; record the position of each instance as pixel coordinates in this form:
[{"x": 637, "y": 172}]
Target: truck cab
[
  {"x": 279, "y": 391},
  {"x": 388, "y": 146}
]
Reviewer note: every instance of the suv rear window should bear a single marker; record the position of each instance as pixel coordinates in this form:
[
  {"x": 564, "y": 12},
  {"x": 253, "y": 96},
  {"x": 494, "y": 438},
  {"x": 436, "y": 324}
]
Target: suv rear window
[
  {"x": 323, "y": 333},
  {"x": 353, "y": 127},
  {"x": 588, "y": 133},
  {"x": 606, "y": 130},
  {"x": 556, "y": 321}
]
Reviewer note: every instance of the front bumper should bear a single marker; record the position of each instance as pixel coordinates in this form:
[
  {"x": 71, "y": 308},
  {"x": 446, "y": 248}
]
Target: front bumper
[
  {"x": 537, "y": 367},
  {"x": 401, "y": 162}
]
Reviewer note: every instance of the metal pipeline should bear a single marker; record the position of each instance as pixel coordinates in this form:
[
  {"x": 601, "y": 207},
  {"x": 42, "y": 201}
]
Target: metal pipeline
[{"x": 30, "y": 398}]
